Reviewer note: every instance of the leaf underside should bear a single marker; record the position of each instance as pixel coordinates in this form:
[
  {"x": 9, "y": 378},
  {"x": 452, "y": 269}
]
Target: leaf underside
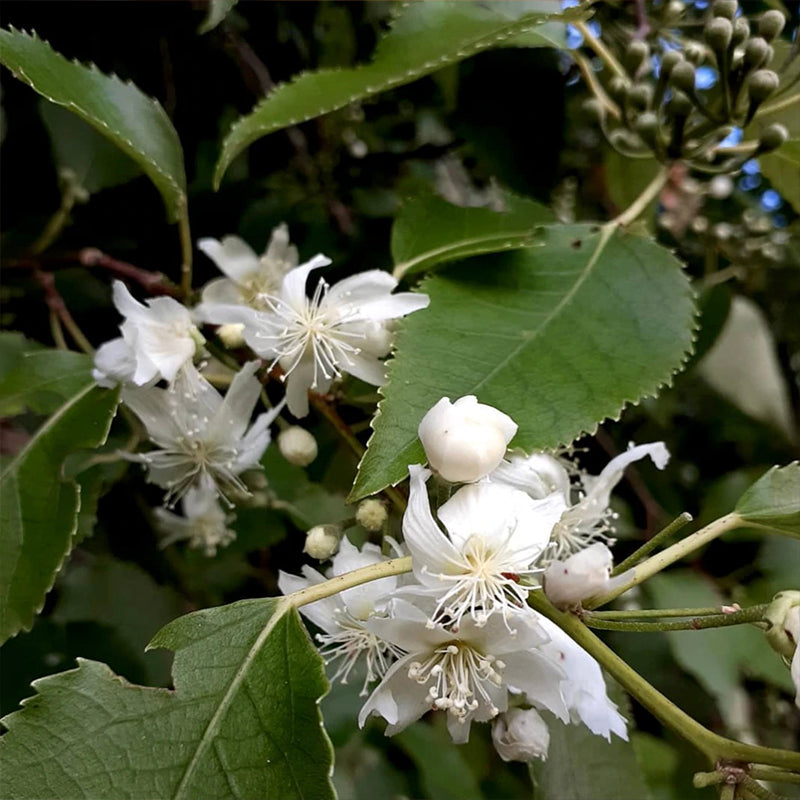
[{"x": 774, "y": 500}]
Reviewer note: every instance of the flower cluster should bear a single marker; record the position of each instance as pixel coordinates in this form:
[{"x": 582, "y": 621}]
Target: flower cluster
[
  {"x": 457, "y": 634},
  {"x": 204, "y": 441}
]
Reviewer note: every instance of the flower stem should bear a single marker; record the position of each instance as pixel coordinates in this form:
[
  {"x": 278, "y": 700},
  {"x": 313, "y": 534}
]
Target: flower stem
[
  {"x": 650, "y": 192},
  {"x": 639, "y": 574},
  {"x": 745, "y": 615},
  {"x": 661, "y": 613},
  {"x": 712, "y": 745},
  {"x": 186, "y": 250},
  {"x": 652, "y": 543},
  {"x": 605, "y": 54},
  {"x": 319, "y": 591},
  {"x": 774, "y": 774},
  {"x": 755, "y": 789}
]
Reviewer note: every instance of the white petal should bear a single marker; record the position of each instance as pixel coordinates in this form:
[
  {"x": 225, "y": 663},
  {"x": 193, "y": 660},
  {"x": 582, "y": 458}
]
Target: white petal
[
  {"x": 114, "y": 363},
  {"x": 539, "y": 678},
  {"x": 795, "y": 673},
  {"x": 233, "y": 416},
  {"x": 293, "y": 291},
  {"x": 167, "y": 353},
  {"x": 539, "y": 475},
  {"x": 361, "y": 600},
  {"x": 151, "y": 406},
  {"x": 582, "y": 575},
  {"x": 321, "y": 613},
  {"x": 125, "y": 302},
  {"x": 298, "y": 382},
  {"x": 374, "y": 284},
  {"x": 393, "y": 306},
  {"x": 398, "y": 699},
  {"x": 232, "y": 255},
  {"x": 221, "y": 291},
  {"x": 368, "y": 369}
]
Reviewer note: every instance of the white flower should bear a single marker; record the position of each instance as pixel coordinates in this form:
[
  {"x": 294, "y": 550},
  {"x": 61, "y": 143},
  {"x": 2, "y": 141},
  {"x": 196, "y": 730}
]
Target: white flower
[
  {"x": 199, "y": 434},
  {"x": 494, "y": 536},
  {"x": 583, "y": 687},
  {"x": 587, "y": 515},
  {"x": 322, "y": 541},
  {"x": 204, "y": 523},
  {"x": 792, "y": 627},
  {"x": 248, "y": 276},
  {"x": 467, "y": 673},
  {"x": 346, "y": 639},
  {"x": 297, "y": 446},
  {"x": 465, "y": 440},
  {"x": 342, "y": 328},
  {"x": 520, "y": 734},
  {"x": 584, "y": 574},
  {"x": 157, "y": 340}
]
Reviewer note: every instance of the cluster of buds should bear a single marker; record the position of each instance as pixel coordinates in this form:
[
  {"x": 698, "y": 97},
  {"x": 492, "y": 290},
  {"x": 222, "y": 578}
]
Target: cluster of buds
[{"x": 670, "y": 119}]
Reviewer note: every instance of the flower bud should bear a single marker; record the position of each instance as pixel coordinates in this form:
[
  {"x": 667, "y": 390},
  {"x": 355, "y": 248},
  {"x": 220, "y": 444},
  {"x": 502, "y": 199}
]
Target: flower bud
[
  {"x": 772, "y": 137},
  {"x": 669, "y": 61},
  {"x": 718, "y": 33},
  {"x": 618, "y": 88},
  {"x": 520, "y": 734},
  {"x": 680, "y": 105},
  {"x": 465, "y": 440},
  {"x": 231, "y": 335},
  {"x": 674, "y": 10},
  {"x": 297, "y": 446},
  {"x": 683, "y": 77},
  {"x": 371, "y": 515},
  {"x": 593, "y": 109},
  {"x": 647, "y": 128},
  {"x": 582, "y": 575},
  {"x": 641, "y": 95},
  {"x": 720, "y": 187},
  {"x": 783, "y": 617},
  {"x": 725, "y": 8},
  {"x": 636, "y": 54},
  {"x": 771, "y": 24},
  {"x": 757, "y": 53},
  {"x": 762, "y": 84},
  {"x": 741, "y": 30},
  {"x": 694, "y": 53},
  {"x": 322, "y": 541}
]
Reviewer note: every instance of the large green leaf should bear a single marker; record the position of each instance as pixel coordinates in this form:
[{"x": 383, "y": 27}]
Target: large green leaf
[
  {"x": 134, "y": 122},
  {"x": 39, "y": 510},
  {"x": 774, "y": 500},
  {"x": 559, "y": 336},
  {"x": 431, "y": 231},
  {"x": 242, "y": 722},
  {"x": 41, "y": 380},
  {"x": 424, "y": 38}
]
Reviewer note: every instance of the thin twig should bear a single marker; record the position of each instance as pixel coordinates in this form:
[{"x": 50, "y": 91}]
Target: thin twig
[
  {"x": 152, "y": 282},
  {"x": 58, "y": 307}
]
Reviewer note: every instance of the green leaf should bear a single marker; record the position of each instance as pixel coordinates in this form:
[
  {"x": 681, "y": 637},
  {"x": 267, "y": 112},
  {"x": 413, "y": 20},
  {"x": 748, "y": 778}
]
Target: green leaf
[
  {"x": 242, "y": 722},
  {"x": 581, "y": 765},
  {"x": 217, "y": 11},
  {"x": 558, "y": 336},
  {"x": 134, "y": 122},
  {"x": 627, "y": 178},
  {"x": 424, "y": 38},
  {"x": 13, "y": 346},
  {"x": 39, "y": 510},
  {"x": 443, "y": 771},
  {"x": 431, "y": 231},
  {"x": 774, "y": 500},
  {"x": 96, "y": 162},
  {"x": 41, "y": 380}
]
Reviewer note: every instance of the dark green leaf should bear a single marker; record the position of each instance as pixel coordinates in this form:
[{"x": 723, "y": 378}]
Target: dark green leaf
[
  {"x": 134, "y": 122},
  {"x": 424, "y": 38},
  {"x": 627, "y": 179},
  {"x": 242, "y": 722},
  {"x": 431, "y": 231},
  {"x": 13, "y": 346},
  {"x": 558, "y": 336},
  {"x": 39, "y": 510},
  {"x": 774, "y": 500}
]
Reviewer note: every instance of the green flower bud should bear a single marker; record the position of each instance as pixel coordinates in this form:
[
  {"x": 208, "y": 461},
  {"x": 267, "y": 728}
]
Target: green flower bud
[
  {"x": 771, "y": 24},
  {"x": 741, "y": 30},
  {"x": 776, "y": 616},
  {"x": 636, "y": 54},
  {"x": 762, "y": 84},
  {"x": 757, "y": 53},
  {"x": 725, "y": 8},
  {"x": 772, "y": 137},
  {"x": 718, "y": 33},
  {"x": 695, "y": 53},
  {"x": 647, "y": 127},
  {"x": 674, "y": 10},
  {"x": 641, "y": 95},
  {"x": 593, "y": 109},
  {"x": 618, "y": 88},
  {"x": 669, "y": 61},
  {"x": 680, "y": 105},
  {"x": 683, "y": 77}
]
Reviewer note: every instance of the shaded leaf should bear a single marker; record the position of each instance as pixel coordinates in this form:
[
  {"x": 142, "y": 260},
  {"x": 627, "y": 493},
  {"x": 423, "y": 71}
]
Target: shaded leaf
[
  {"x": 39, "y": 510},
  {"x": 558, "y": 336},
  {"x": 243, "y": 720},
  {"x": 627, "y": 178},
  {"x": 134, "y": 122},
  {"x": 774, "y": 500},
  {"x": 431, "y": 231},
  {"x": 424, "y": 38},
  {"x": 12, "y": 347},
  {"x": 217, "y": 11}
]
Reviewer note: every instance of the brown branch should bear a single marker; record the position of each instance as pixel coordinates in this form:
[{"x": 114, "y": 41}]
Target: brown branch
[
  {"x": 55, "y": 302},
  {"x": 153, "y": 282}
]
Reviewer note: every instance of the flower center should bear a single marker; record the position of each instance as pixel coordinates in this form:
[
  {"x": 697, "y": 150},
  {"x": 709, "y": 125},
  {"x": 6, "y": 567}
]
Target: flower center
[{"x": 461, "y": 679}]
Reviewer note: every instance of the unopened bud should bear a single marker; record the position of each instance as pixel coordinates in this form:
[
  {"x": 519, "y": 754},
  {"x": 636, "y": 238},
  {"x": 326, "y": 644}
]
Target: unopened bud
[
  {"x": 725, "y": 8},
  {"x": 641, "y": 95},
  {"x": 718, "y": 33},
  {"x": 520, "y": 734},
  {"x": 297, "y": 446},
  {"x": 741, "y": 30},
  {"x": 647, "y": 127},
  {"x": 757, "y": 53},
  {"x": 669, "y": 61},
  {"x": 683, "y": 77},
  {"x": 636, "y": 54},
  {"x": 772, "y": 137},
  {"x": 762, "y": 84},
  {"x": 593, "y": 109},
  {"x": 783, "y": 633},
  {"x": 695, "y": 53},
  {"x": 199, "y": 341},
  {"x": 322, "y": 541},
  {"x": 680, "y": 105},
  {"x": 618, "y": 88},
  {"x": 771, "y": 24},
  {"x": 720, "y": 187},
  {"x": 674, "y": 10},
  {"x": 465, "y": 440},
  {"x": 231, "y": 335},
  {"x": 372, "y": 515},
  {"x": 582, "y": 575}
]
